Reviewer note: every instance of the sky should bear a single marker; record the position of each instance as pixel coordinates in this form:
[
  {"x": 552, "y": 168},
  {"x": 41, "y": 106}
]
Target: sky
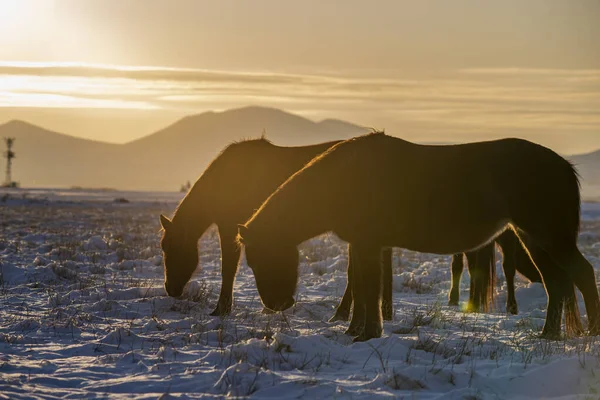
[{"x": 428, "y": 71}]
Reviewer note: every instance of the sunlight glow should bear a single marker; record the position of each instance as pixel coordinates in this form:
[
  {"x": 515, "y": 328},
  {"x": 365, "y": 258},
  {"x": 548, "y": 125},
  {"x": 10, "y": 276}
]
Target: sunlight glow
[
  {"x": 12, "y": 14},
  {"x": 26, "y": 26},
  {"x": 49, "y": 100},
  {"x": 453, "y": 102}
]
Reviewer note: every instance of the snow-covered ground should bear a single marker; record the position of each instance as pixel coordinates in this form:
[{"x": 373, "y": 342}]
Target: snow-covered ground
[{"x": 83, "y": 314}]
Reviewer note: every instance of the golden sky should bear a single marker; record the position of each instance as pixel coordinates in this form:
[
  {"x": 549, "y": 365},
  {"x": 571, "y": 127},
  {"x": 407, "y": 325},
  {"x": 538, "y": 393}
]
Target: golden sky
[{"x": 445, "y": 71}]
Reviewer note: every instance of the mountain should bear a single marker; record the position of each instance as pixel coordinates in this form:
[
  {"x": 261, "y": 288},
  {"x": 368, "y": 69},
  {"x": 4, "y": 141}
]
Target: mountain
[
  {"x": 209, "y": 130},
  {"x": 161, "y": 161},
  {"x": 588, "y": 166},
  {"x": 46, "y": 158}
]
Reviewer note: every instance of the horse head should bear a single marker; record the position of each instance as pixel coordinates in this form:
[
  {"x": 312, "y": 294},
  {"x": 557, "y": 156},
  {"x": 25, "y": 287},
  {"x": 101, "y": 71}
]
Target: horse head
[
  {"x": 180, "y": 253},
  {"x": 274, "y": 263}
]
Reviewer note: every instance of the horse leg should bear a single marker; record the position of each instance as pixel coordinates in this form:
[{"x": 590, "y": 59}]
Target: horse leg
[
  {"x": 558, "y": 287},
  {"x": 342, "y": 313},
  {"x": 357, "y": 323},
  {"x": 556, "y": 302},
  {"x": 457, "y": 269},
  {"x": 509, "y": 272},
  {"x": 508, "y": 242},
  {"x": 230, "y": 256},
  {"x": 582, "y": 274},
  {"x": 368, "y": 269},
  {"x": 387, "y": 307}
]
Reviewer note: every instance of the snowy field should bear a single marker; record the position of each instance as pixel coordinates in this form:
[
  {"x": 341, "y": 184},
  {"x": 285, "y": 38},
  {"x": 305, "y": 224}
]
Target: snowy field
[{"x": 83, "y": 314}]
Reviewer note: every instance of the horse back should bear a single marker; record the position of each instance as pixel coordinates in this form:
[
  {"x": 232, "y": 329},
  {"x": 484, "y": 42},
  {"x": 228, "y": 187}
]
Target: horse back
[
  {"x": 246, "y": 173},
  {"x": 419, "y": 192}
]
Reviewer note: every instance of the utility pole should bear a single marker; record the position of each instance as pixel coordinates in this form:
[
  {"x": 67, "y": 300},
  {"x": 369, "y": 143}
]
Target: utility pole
[{"x": 9, "y": 157}]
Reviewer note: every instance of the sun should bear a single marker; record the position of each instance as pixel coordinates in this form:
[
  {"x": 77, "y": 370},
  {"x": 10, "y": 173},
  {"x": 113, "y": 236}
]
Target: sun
[{"x": 13, "y": 14}]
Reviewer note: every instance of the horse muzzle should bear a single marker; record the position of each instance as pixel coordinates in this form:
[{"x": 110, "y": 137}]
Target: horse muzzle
[
  {"x": 172, "y": 292},
  {"x": 281, "y": 305}
]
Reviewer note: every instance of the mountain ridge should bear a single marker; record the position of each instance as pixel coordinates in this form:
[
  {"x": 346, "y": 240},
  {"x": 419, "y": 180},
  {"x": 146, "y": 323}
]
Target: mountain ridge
[
  {"x": 180, "y": 151},
  {"x": 162, "y": 160}
]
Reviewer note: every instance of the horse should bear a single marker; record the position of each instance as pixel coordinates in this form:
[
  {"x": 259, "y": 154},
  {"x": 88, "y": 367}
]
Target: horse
[
  {"x": 376, "y": 191},
  {"x": 235, "y": 184},
  {"x": 482, "y": 271}
]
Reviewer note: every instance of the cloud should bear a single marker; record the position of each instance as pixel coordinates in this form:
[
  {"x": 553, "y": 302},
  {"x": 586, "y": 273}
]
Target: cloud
[
  {"x": 53, "y": 100},
  {"x": 486, "y": 99},
  {"x": 146, "y": 73},
  {"x": 531, "y": 71}
]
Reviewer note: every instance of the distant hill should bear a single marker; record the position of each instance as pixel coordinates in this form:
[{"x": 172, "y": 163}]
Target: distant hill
[
  {"x": 46, "y": 158},
  {"x": 161, "y": 161},
  {"x": 588, "y": 166}
]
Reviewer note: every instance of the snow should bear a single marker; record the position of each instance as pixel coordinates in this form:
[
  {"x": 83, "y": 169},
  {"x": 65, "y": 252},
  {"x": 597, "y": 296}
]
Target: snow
[{"x": 83, "y": 314}]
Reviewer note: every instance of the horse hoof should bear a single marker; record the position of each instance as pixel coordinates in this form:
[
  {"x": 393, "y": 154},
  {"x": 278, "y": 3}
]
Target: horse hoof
[
  {"x": 219, "y": 312},
  {"x": 453, "y": 303},
  {"x": 388, "y": 317},
  {"x": 354, "y": 331},
  {"x": 339, "y": 317},
  {"x": 360, "y": 338},
  {"x": 514, "y": 310},
  {"x": 551, "y": 336},
  {"x": 363, "y": 337}
]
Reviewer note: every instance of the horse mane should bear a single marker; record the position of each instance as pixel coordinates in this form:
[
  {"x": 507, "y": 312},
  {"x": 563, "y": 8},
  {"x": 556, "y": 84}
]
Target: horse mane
[
  {"x": 332, "y": 148},
  {"x": 232, "y": 146},
  {"x": 243, "y": 142},
  {"x": 315, "y": 160}
]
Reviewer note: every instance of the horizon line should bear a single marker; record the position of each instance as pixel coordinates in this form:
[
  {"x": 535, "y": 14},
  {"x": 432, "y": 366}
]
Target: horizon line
[{"x": 13, "y": 121}]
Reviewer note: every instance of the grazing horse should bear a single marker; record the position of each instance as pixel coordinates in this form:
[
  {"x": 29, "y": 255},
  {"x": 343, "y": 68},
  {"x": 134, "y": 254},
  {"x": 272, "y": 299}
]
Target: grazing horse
[
  {"x": 482, "y": 271},
  {"x": 234, "y": 185},
  {"x": 377, "y": 191}
]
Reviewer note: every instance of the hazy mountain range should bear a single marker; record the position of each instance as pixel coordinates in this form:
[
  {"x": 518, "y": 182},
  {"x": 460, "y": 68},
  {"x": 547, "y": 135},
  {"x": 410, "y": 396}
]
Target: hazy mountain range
[
  {"x": 169, "y": 157},
  {"x": 588, "y": 166},
  {"x": 163, "y": 160}
]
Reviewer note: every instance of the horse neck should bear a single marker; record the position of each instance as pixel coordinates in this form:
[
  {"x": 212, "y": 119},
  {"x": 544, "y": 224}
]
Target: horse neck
[
  {"x": 193, "y": 215},
  {"x": 290, "y": 228},
  {"x": 294, "y": 214}
]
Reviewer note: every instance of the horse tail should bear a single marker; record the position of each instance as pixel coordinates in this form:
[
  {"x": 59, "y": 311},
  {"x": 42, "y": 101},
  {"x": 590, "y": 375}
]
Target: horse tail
[
  {"x": 571, "y": 307},
  {"x": 576, "y": 206},
  {"x": 491, "y": 281},
  {"x": 522, "y": 261},
  {"x": 573, "y": 325}
]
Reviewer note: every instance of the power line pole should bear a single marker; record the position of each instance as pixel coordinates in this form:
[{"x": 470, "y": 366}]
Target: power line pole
[{"x": 9, "y": 154}]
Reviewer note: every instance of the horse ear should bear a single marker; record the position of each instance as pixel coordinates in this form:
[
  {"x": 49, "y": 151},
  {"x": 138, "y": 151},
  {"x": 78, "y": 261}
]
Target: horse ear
[
  {"x": 242, "y": 231},
  {"x": 165, "y": 222}
]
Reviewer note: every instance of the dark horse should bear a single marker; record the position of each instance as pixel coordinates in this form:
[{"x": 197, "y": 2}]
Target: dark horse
[
  {"x": 482, "y": 271},
  {"x": 378, "y": 191},
  {"x": 233, "y": 186}
]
